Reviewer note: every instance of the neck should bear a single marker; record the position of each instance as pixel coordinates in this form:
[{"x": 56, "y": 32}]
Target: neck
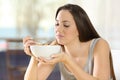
[{"x": 73, "y": 48}]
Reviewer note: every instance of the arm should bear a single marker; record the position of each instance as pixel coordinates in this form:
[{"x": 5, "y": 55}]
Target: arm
[
  {"x": 44, "y": 70},
  {"x": 31, "y": 72},
  {"x": 36, "y": 70}
]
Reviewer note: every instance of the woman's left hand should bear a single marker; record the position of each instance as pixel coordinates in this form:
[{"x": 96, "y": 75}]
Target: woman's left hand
[{"x": 60, "y": 57}]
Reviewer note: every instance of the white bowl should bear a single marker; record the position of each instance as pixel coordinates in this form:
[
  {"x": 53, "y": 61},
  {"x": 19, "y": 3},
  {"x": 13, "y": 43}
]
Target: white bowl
[{"x": 45, "y": 51}]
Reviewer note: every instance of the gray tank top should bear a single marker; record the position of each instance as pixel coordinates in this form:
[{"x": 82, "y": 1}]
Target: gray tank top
[{"x": 66, "y": 75}]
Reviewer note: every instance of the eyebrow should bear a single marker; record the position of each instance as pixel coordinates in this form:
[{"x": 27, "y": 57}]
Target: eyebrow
[{"x": 63, "y": 21}]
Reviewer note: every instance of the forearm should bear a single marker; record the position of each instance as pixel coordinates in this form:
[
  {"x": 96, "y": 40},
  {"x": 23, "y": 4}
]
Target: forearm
[
  {"x": 44, "y": 71},
  {"x": 31, "y": 72}
]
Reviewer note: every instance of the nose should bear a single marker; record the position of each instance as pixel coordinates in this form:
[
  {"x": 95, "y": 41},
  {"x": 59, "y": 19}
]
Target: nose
[{"x": 59, "y": 28}]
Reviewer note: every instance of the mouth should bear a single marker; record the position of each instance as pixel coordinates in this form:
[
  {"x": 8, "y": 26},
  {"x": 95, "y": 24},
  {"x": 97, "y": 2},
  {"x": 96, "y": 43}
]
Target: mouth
[{"x": 59, "y": 36}]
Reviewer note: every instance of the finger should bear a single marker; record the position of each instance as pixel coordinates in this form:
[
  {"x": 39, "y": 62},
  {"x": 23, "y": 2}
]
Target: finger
[
  {"x": 38, "y": 59},
  {"x": 29, "y": 43},
  {"x": 41, "y": 63},
  {"x": 52, "y": 61},
  {"x": 26, "y": 39},
  {"x": 55, "y": 55},
  {"x": 53, "y": 42},
  {"x": 41, "y": 60},
  {"x": 27, "y": 50}
]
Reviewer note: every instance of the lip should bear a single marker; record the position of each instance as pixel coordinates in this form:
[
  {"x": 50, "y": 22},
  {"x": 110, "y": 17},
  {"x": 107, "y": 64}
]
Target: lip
[{"x": 59, "y": 36}]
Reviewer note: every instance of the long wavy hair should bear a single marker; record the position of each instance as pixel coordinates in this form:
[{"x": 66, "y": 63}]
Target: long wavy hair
[{"x": 85, "y": 28}]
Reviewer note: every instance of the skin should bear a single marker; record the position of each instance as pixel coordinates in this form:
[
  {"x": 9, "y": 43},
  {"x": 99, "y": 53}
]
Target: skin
[{"x": 74, "y": 55}]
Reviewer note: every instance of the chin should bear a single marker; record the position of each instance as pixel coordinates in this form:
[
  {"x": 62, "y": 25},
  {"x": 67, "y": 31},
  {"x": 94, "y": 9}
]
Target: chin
[{"x": 60, "y": 42}]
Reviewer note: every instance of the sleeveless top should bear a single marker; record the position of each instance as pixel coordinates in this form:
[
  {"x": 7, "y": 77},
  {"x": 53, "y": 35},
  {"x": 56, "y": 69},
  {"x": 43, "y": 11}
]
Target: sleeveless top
[{"x": 66, "y": 75}]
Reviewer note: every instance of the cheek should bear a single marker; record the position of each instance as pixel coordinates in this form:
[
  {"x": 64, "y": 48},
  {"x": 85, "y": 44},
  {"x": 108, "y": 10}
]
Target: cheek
[{"x": 73, "y": 33}]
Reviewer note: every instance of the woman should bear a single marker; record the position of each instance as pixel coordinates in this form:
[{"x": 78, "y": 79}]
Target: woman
[{"x": 84, "y": 56}]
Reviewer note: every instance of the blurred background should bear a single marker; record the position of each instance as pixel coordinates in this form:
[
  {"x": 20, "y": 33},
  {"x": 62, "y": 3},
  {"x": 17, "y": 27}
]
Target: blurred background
[{"x": 36, "y": 18}]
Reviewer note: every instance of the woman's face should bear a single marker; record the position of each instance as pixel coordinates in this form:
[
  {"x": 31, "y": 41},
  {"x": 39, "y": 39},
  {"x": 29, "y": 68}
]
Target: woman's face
[{"x": 65, "y": 28}]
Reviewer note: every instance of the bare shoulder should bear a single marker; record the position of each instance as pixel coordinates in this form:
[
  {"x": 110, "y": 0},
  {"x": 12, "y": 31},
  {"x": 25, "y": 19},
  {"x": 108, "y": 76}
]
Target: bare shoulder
[
  {"x": 101, "y": 59},
  {"x": 102, "y": 43},
  {"x": 102, "y": 46}
]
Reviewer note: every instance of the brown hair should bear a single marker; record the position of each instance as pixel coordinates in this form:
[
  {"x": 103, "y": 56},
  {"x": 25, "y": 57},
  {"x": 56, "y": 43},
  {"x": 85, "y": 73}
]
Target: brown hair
[
  {"x": 112, "y": 68},
  {"x": 82, "y": 21}
]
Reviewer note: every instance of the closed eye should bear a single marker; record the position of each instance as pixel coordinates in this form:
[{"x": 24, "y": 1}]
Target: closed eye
[{"x": 66, "y": 25}]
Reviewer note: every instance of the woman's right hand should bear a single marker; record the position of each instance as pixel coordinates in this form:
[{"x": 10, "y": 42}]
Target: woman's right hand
[{"x": 27, "y": 42}]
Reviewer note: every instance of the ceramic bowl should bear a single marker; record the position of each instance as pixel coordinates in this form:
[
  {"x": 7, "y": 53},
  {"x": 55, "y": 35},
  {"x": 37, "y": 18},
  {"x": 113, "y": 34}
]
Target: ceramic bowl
[{"x": 45, "y": 50}]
